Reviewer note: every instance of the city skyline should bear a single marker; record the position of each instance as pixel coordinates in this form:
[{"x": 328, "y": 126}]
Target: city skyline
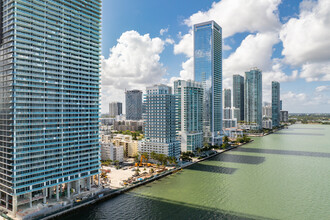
[{"x": 300, "y": 73}]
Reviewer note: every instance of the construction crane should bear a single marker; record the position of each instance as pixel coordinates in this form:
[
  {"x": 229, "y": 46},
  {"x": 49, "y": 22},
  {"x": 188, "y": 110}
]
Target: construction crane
[{"x": 141, "y": 160}]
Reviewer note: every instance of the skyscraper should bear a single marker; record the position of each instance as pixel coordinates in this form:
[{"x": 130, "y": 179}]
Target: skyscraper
[
  {"x": 227, "y": 98},
  {"x": 50, "y": 73},
  {"x": 253, "y": 97},
  {"x": 133, "y": 104},
  {"x": 238, "y": 95},
  {"x": 160, "y": 122},
  {"x": 276, "y": 105},
  {"x": 190, "y": 114},
  {"x": 115, "y": 108},
  {"x": 208, "y": 71}
]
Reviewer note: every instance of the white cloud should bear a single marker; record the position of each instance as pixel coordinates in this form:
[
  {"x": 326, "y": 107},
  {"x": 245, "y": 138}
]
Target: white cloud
[
  {"x": 133, "y": 63},
  {"x": 254, "y": 51},
  {"x": 316, "y": 71},
  {"x": 307, "y": 38},
  {"x": 163, "y": 31},
  {"x": 185, "y": 46},
  {"x": 236, "y": 16},
  {"x": 169, "y": 41},
  {"x": 322, "y": 88}
]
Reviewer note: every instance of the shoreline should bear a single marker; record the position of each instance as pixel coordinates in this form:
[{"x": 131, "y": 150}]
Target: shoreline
[{"x": 106, "y": 195}]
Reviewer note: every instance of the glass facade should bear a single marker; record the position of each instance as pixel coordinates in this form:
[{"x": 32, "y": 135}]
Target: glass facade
[
  {"x": 253, "y": 97},
  {"x": 227, "y": 98},
  {"x": 189, "y": 114},
  {"x": 238, "y": 95},
  {"x": 49, "y": 103},
  {"x": 208, "y": 71},
  {"x": 276, "y": 104},
  {"x": 133, "y": 105}
]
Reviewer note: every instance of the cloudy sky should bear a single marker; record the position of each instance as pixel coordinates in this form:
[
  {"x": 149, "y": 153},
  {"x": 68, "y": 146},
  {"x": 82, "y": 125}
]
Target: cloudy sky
[{"x": 146, "y": 42}]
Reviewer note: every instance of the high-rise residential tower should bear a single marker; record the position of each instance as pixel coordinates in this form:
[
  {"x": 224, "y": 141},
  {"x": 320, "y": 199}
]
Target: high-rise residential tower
[
  {"x": 115, "y": 108},
  {"x": 276, "y": 104},
  {"x": 189, "y": 114},
  {"x": 227, "y": 98},
  {"x": 253, "y": 97},
  {"x": 160, "y": 122},
  {"x": 133, "y": 104},
  {"x": 50, "y": 74},
  {"x": 238, "y": 96},
  {"x": 208, "y": 71}
]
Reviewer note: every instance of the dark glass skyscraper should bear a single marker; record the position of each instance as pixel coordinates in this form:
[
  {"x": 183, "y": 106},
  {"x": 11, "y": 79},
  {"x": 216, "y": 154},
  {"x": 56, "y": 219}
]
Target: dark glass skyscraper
[
  {"x": 49, "y": 103},
  {"x": 238, "y": 95},
  {"x": 253, "y": 97},
  {"x": 133, "y": 104},
  {"x": 227, "y": 98},
  {"x": 276, "y": 104},
  {"x": 208, "y": 71}
]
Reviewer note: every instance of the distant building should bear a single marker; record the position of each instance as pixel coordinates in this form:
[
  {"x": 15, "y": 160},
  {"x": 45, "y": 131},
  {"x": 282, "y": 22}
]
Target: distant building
[
  {"x": 106, "y": 138},
  {"x": 227, "y": 113},
  {"x": 284, "y": 116},
  {"x": 130, "y": 146},
  {"x": 267, "y": 111},
  {"x": 238, "y": 95},
  {"x": 236, "y": 114},
  {"x": 124, "y": 125},
  {"x": 105, "y": 151},
  {"x": 208, "y": 71},
  {"x": 227, "y": 98},
  {"x": 229, "y": 123},
  {"x": 133, "y": 104},
  {"x": 160, "y": 122},
  {"x": 253, "y": 97},
  {"x": 281, "y": 105},
  {"x": 267, "y": 123},
  {"x": 276, "y": 103},
  {"x": 190, "y": 114},
  {"x": 111, "y": 152},
  {"x": 115, "y": 108}
]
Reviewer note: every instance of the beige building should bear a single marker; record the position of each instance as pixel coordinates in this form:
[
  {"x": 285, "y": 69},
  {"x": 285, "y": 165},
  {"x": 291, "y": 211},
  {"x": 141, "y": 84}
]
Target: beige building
[
  {"x": 130, "y": 146},
  {"x": 105, "y": 138}
]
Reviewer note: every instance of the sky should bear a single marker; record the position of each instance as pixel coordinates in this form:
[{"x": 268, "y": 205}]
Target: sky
[{"x": 147, "y": 42}]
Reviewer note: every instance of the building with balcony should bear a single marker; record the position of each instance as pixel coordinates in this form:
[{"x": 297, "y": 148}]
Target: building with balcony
[
  {"x": 253, "y": 97},
  {"x": 50, "y": 92},
  {"x": 189, "y": 114},
  {"x": 160, "y": 122}
]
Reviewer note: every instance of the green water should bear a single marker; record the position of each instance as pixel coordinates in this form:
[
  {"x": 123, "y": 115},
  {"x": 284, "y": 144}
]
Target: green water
[{"x": 281, "y": 176}]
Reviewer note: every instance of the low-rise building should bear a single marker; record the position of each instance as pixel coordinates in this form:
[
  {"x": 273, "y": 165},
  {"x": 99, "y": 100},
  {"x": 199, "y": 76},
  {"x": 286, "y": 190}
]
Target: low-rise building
[
  {"x": 130, "y": 146},
  {"x": 233, "y": 133},
  {"x": 268, "y": 124},
  {"x": 229, "y": 123},
  {"x": 111, "y": 152},
  {"x": 130, "y": 125}
]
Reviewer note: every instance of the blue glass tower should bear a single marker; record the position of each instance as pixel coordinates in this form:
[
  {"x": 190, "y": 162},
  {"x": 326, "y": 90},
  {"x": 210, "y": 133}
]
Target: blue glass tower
[
  {"x": 49, "y": 103},
  {"x": 208, "y": 71},
  {"x": 253, "y": 97},
  {"x": 276, "y": 104}
]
